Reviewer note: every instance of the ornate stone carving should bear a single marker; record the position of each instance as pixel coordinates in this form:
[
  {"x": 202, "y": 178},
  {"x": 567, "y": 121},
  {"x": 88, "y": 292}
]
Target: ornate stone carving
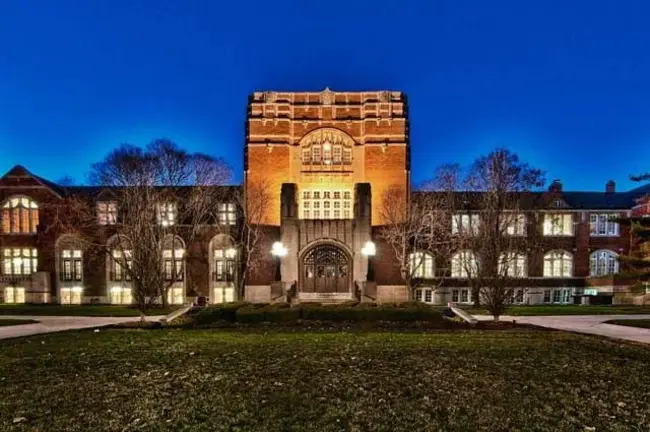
[
  {"x": 269, "y": 97},
  {"x": 327, "y": 135},
  {"x": 327, "y": 96}
]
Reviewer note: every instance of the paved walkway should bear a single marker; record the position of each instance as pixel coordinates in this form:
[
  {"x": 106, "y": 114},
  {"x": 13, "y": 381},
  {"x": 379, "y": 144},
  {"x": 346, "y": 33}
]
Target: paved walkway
[
  {"x": 51, "y": 324},
  {"x": 588, "y": 324}
]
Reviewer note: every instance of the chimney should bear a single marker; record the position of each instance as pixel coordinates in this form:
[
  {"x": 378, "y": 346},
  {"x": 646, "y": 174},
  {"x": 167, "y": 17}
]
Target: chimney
[
  {"x": 556, "y": 186},
  {"x": 610, "y": 187}
]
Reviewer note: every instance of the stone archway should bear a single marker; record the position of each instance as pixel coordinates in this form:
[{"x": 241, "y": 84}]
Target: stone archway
[{"x": 325, "y": 268}]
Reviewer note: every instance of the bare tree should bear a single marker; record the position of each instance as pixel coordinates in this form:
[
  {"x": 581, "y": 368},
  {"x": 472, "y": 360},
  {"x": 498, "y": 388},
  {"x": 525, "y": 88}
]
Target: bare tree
[
  {"x": 164, "y": 199},
  {"x": 417, "y": 229},
  {"x": 490, "y": 224}
]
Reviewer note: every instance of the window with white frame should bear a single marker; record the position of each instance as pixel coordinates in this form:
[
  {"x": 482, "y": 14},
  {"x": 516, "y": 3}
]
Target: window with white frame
[
  {"x": 464, "y": 264},
  {"x": 174, "y": 261},
  {"x": 227, "y": 213},
  {"x": 19, "y": 261},
  {"x": 515, "y": 224},
  {"x": 558, "y": 295},
  {"x": 14, "y": 295},
  {"x": 327, "y": 153},
  {"x": 513, "y": 264},
  {"x": 326, "y": 204},
  {"x": 421, "y": 265},
  {"x": 518, "y": 296},
  {"x": 603, "y": 262},
  {"x": 603, "y": 224},
  {"x": 167, "y": 214},
  {"x": 121, "y": 265},
  {"x": 224, "y": 264},
  {"x": 558, "y": 264},
  {"x": 19, "y": 216},
  {"x": 558, "y": 224},
  {"x": 107, "y": 212},
  {"x": 465, "y": 223},
  {"x": 70, "y": 265},
  {"x": 463, "y": 295},
  {"x": 424, "y": 295}
]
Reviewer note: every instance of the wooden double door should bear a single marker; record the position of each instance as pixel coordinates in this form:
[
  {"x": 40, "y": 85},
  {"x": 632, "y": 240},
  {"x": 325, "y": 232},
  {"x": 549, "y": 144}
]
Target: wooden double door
[{"x": 325, "y": 268}]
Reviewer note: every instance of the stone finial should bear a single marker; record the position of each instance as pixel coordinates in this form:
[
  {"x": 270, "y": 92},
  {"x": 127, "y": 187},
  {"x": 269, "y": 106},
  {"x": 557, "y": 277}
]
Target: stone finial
[{"x": 327, "y": 96}]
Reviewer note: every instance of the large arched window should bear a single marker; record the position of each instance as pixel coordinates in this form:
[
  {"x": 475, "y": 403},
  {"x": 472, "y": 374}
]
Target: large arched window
[
  {"x": 421, "y": 265},
  {"x": 603, "y": 262},
  {"x": 327, "y": 146},
  {"x": 464, "y": 264},
  {"x": 19, "y": 216},
  {"x": 558, "y": 263}
]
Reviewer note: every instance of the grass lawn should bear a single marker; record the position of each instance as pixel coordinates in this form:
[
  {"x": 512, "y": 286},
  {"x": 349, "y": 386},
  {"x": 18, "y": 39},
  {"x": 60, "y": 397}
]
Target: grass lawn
[
  {"x": 643, "y": 323},
  {"x": 169, "y": 380},
  {"x": 566, "y": 310},
  {"x": 76, "y": 310},
  {"x": 12, "y": 322}
]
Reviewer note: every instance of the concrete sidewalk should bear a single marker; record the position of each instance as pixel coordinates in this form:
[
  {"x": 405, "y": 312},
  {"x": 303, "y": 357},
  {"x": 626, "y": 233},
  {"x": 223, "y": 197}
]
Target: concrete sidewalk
[
  {"x": 588, "y": 324},
  {"x": 51, "y": 324}
]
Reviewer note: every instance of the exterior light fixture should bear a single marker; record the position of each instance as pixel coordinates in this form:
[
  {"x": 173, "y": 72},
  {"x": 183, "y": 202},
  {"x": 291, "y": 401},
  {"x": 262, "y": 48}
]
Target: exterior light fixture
[
  {"x": 279, "y": 250},
  {"x": 369, "y": 249}
]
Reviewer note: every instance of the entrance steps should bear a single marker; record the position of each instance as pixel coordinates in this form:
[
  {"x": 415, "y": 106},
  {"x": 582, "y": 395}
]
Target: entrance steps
[{"x": 324, "y": 298}]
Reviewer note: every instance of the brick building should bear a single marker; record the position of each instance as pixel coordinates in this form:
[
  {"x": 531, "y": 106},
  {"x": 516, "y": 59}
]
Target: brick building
[{"x": 326, "y": 158}]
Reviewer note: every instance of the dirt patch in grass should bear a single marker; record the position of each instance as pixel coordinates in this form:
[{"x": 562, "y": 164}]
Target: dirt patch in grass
[
  {"x": 220, "y": 380},
  {"x": 12, "y": 322},
  {"x": 641, "y": 323}
]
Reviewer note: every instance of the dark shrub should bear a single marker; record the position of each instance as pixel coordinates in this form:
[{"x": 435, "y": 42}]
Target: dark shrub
[
  {"x": 272, "y": 313},
  {"x": 219, "y": 312},
  {"x": 250, "y": 314}
]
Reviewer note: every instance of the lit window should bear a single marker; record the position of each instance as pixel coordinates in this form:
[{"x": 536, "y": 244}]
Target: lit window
[
  {"x": 121, "y": 266},
  {"x": 19, "y": 216},
  {"x": 561, "y": 296},
  {"x": 167, "y": 213},
  {"x": 107, "y": 212},
  {"x": 70, "y": 265},
  {"x": 224, "y": 265},
  {"x": 558, "y": 264},
  {"x": 461, "y": 296},
  {"x": 331, "y": 201},
  {"x": 19, "y": 261},
  {"x": 515, "y": 224},
  {"x": 465, "y": 223},
  {"x": 424, "y": 295},
  {"x": 315, "y": 154},
  {"x": 347, "y": 155},
  {"x": 512, "y": 265},
  {"x": 227, "y": 213},
  {"x": 603, "y": 262},
  {"x": 175, "y": 295},
  {"x": 421, "y": 265},
  {"x": 558, "y": 224},
  {"x": 603, "y": 224},
  {"x": 306, "y": 155},
  {"x": 14, "y": 295},
  {"x": 173, "y": 262},
  {"x": 464, "y": 264},
  {"x": 518, "y": 296},
  {"x": 121, "y": 295},
  {"x": 70, "y": 295},
  {"x": 337, "y": 154}
]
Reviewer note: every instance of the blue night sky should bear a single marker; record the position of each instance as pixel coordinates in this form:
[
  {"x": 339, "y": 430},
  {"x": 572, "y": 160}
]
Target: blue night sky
[{"x": 566, "y": 84}]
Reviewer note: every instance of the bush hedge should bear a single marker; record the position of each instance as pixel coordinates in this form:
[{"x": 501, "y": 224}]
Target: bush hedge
[{"x": 243, "y": 312}]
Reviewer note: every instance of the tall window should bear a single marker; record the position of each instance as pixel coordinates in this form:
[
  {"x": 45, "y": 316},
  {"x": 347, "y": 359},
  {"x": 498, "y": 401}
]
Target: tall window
[
  {"x": 14, "y": 295},
  {"x": 515, "y": 224},
  {"x": 603, "y": 224},
  {"x": 464, "y": 264},
  {"x": 421, "y": 265},
  {"x": 327, "y": 153},
  {"x": 465, "y": 223},
  {"x": 19, "y": 261},
  {"x": 558, "y": 264},
  {"x": 107, "y": 212},
  {"x": 326, "y": 204},
  {"x": 424, "y": 295},
  {"x": 560, "y": 295},
  {"x": 227, "y": 213},
  {"x": 603, "y": 262},
  {"x": 513, "y": 264},
  {"x": 224, "y": 265},
  {"x": 19, "y": 216},
  {"x": 70, "y": 265},
  {"x": 461, "y": 295},
  {"x": 121, "y": 265},
  {"x": 167, "y": 214},
  {"x": 558, "y": 224},
  {"x": 173, "y": 261}
]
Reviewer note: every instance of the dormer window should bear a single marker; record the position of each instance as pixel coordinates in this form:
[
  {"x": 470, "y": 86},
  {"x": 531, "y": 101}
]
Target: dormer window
[
  {"x": 167, "y": 213},
  {"x": 19, "y": 216},
  {"x": 107, "y": 212}
]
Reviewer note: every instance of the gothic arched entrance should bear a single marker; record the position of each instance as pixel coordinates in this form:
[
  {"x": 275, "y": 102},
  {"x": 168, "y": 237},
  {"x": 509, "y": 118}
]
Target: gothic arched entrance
[{"x": 325, "y": 268}]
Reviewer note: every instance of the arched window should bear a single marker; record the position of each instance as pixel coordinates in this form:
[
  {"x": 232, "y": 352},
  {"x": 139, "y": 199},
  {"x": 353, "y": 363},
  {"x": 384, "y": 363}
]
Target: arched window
[
  {"x": 120, "y": 270},
  {"x": 421, "y": 265},
  {"x": 464, "y": 264},
  {"x": 222, "y": 267},
  {"x": 327, "y": 146},
  {"x": 558, "y": 263},
  {"x": 513, "y": 264},
  {"x": 19, "y": 216},
  {"x": 174, "y": 269},
  {"x": 603, "y": 262}
]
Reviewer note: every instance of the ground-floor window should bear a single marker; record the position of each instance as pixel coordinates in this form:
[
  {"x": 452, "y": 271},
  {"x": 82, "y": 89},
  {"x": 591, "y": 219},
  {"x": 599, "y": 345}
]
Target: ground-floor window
[
  {"x": 176, "y": 295},
  {"x": 71, "y": 295},
  {"x": 461, "y": 295},
  {"x": 424, "y": 295},
  {"x": 518, "y": 295},
  {"x": 223, "y": 294},
  {"x": 561, "y": 296},
  {"x": 120, "y": 295},
  {"x": 14, "y": 295}
]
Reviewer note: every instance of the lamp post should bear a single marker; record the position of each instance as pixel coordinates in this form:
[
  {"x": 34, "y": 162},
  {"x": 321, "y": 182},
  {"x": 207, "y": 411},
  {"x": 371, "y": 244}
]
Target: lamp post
[
  {"x": 278, "y": 250},
  {"x": 369, "y": 250}
]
